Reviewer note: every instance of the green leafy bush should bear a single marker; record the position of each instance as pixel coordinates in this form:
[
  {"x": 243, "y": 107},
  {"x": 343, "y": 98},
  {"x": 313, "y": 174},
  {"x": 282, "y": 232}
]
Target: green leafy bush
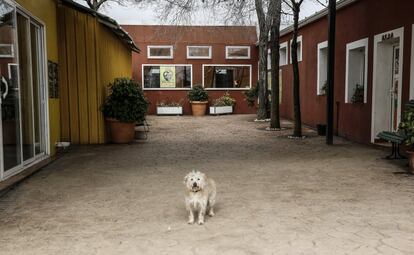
[
  {"x": 225, "y": 100},
  {"x": 126, "y": 101},
  {"x": 407, "y": 126},
  {"x": 251, "y": 95},
  {"x": 197, "y": 93}
]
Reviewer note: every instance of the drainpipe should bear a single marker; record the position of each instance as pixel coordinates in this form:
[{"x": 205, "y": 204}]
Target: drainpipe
[{"x": 331, "y": 72}]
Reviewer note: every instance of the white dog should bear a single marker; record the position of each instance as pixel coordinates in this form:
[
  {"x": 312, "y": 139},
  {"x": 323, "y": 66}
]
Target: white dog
[{"x": 200, "y": 196}]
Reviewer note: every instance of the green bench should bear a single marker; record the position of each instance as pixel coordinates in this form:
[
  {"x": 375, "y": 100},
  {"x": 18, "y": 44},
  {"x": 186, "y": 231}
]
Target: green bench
[{"x": 396, "y": 138}]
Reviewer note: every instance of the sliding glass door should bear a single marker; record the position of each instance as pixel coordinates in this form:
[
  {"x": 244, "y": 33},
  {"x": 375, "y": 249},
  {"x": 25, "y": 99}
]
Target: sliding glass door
[{"x": 22, "y": 89}]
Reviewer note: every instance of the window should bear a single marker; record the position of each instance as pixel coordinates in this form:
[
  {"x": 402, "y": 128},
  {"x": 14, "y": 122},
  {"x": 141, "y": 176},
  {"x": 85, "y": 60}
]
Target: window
[
  {"x": 283, "y": 53},
  {"x": 227, "y": 76},
  {"x": 356, "y": 71},
  {"x": 160, "y": 52},
  {"x": 167, "y": 76},
  {"x": 199, "y": 52},
  {"x": 322, "y": 68},
  {"x": 6, "y": 51},
  {"x": 299, "y": 49},
  {"x": 237, "y": 52}
]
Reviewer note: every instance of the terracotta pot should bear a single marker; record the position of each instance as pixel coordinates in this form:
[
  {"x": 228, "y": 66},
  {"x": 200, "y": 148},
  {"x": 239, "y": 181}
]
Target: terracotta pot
[
  {"x": 199, "y": 108},
  {"x": 411, "y": 161},
  {"x": 121, "y": 132}
]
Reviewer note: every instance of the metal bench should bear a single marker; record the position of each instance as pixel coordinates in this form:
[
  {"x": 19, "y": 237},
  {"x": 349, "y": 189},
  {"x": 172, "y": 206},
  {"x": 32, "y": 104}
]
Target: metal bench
[{"x": 396, "y": 138}]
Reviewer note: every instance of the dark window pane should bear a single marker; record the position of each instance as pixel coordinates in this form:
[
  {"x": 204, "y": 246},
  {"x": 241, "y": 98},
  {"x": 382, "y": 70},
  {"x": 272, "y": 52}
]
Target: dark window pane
[
  {"x": 227, "y": 76},
  {"x": 160, "y": 52}
]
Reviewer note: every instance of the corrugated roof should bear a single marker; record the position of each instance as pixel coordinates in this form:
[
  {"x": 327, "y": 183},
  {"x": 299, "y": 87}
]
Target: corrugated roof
[{"x": 110, "y": 23}]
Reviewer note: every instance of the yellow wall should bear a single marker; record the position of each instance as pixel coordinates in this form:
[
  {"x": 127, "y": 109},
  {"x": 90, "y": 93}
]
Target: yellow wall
[
  {"x": 91, "y": 56},
  {"x": 45, "y": 11}
]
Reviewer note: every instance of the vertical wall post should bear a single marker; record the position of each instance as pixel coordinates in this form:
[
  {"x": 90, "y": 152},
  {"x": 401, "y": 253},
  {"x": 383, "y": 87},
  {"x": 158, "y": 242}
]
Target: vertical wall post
[{"x": 331, "y": 72}]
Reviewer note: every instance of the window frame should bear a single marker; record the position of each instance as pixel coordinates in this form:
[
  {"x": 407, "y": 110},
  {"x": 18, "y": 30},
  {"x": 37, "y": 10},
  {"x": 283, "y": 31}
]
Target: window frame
[
  {"x": 300, "y": 42},
  {"x": 11, "y": 55},
  {"x": 210, "y": 49},
  {"x": 143, "y": 77},
  {"x": 363, "y": 43},
  {"x": 149, "y": 47},
  {"x": 321, "y": 46},
  {"x": 282, "y": 46},
  {"x": 229, "y": 65},
  {"x": 241, "y": 46}
]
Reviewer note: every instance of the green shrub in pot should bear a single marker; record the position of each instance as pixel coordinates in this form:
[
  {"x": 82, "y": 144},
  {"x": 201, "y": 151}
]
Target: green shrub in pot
[
  {"x": 125, "y": 106},
  {"x": 197, "y": 93}
]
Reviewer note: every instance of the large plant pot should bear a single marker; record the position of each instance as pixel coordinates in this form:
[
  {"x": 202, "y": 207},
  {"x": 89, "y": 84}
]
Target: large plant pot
[
  {"x": 121, "y": 132},
  {"x": 199, "y": 108}
]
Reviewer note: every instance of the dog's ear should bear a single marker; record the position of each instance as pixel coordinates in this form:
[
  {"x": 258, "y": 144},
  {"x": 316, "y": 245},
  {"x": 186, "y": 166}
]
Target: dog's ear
[{"x": 185, "y": 179}]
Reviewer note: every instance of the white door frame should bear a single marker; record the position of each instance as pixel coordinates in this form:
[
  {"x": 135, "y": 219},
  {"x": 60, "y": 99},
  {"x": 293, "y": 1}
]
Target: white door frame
[
  {"x": 42, "y": 101},
  {"x": 397, "y": 33}
]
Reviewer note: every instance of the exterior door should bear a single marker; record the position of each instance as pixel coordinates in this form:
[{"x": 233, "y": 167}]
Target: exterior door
[
  {"x": 394, "y": 96},
  {"x": 22, "y": 76},
  {"x": 10, "y": 126}
]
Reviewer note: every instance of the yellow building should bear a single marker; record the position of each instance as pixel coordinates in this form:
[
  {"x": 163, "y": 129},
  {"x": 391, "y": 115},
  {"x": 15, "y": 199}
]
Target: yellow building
[{"x": 56, "y": 60}]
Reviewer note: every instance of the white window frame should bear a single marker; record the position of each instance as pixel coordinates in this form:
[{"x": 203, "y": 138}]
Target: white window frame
[
  {"x": 363, "y": 43},
  {"x": 199, "y": 57},
  {"x": 300, "y": 48},
  {"x": 230, "y": 65},
  {"x": 235, "y": 47},
  {"x": 412, "y": 66},
  {"x": 319, "y": 85},
  {"x": 7, "y": 55},
  {"x": 142, "y": 78},
  {"x": 149, "y": 47},
  {"x": 282, "y": 46}
]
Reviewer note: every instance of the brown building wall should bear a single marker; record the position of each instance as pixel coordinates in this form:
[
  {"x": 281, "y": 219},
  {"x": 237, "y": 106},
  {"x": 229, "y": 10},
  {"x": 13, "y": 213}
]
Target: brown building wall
[
  {"x": 361, "y": 19},
  {"x": 181, "y": 37}
]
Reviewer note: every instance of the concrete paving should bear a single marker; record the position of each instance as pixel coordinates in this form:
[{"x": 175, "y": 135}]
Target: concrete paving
[{"x": 275, "y": 196}]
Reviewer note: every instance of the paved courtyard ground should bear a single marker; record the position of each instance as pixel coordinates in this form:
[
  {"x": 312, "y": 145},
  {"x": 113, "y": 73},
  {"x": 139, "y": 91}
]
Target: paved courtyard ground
[{"x": 275, "y": 196}]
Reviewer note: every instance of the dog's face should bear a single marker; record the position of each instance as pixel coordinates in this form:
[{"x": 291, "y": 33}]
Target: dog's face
[{"x": 195, "y": 181}]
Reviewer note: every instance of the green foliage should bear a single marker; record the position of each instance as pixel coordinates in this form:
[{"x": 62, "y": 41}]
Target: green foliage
[
  {"x": 170, "y": 103},
  {"x": 407, "y": 126},
  {"x": 358, "y": 96},
  {"x": 225, "y": 100},
  {"x": 126, "y": 101},
  {"x": 251, "y": 95},
  {"x": 197, "y": 93}
]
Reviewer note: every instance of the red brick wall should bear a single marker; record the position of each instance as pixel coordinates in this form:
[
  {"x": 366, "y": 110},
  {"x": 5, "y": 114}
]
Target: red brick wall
[
  {"x": 362, "y": 19},
  {"x": 180, "y": 37}
]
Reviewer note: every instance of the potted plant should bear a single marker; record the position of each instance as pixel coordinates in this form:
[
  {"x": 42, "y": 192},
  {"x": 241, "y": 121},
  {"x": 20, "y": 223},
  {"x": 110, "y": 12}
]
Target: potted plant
[
  {"x": 358, "y": 96},
  {"x": 406, "y": 127},
  {"x": 170, "y": 108},
  {"x": 198, "y": 98},
  {"x": 223, "y": 104},
  {"x": 125, "y": 106}
]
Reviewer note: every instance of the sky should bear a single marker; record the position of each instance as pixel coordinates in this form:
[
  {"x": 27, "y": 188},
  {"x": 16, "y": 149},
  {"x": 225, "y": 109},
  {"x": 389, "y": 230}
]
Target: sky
[{"x": 137, "y": 15}]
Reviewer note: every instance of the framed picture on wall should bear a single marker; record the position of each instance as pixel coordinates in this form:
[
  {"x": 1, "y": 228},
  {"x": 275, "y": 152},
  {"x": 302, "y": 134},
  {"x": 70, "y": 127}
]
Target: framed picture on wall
[{"x": 6, "y": 51}]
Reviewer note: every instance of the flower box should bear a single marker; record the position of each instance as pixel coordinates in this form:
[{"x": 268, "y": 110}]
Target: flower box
[
  {"x": 215, "y": 110},
  {"x": 169, "y": 110}
]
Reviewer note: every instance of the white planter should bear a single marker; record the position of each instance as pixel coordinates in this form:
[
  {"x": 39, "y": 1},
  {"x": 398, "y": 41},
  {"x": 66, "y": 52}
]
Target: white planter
[
  {"x": 163, "y": 110},
  {"x": 221, "y": 110}
]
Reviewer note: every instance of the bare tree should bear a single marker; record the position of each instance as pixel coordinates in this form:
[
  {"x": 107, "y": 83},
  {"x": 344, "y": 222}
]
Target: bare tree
[
  {"x": 97, "y": 4},
  {"x": 274, "y": 73}
]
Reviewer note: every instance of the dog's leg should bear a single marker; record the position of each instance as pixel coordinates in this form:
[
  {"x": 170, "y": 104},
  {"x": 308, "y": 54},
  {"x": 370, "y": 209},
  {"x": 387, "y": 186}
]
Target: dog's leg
[
  {"x": 201, "y": 216},
  {"x": 190, "y": 217},
  {"x": 211, "y": 202},
  {"x": 211, "y": 211}
]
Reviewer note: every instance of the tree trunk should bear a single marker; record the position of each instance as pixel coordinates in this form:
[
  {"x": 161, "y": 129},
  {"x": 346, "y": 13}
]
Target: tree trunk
[
  {"x": 263, "y": 46},
  {"x": 274, "y": 73},
  {"x": 297, "y": 132}
]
